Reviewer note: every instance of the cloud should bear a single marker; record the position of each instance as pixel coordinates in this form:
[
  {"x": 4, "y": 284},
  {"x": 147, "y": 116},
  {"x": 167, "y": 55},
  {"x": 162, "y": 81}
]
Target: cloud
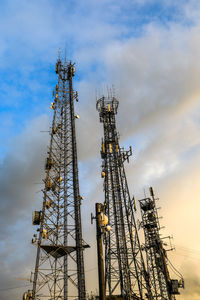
[
  {"x": 21, "y": 171},
  {"x": 192, "y": 282},
  {"x": 21, "y": 174},
  {"x": 156, "y": 74}
]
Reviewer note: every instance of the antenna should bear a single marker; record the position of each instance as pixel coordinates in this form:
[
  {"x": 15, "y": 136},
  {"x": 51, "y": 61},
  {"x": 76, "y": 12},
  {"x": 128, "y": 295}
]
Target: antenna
[
  {"x": 65, "y": 55},
  {"x": 59, "y": 53},
  {"x": 113, "y": 89},
  {"x": 96, "y": 94},
  {"x": 144, "y": 192}
]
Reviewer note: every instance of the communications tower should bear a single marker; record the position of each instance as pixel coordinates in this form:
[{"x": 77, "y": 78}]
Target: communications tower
[
  {"x": 59, "y": 268},
  {"x": 125, "y": 273},
  {"x": 163, "y": 287}
]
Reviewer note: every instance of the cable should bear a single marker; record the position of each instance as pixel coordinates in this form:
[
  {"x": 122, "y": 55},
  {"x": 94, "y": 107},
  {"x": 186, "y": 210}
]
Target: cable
[
  {"x": 16, "y": 287},
  {"x": 188, "y": 256},
  {"x": 91, "y": 270},
  {"x": 194, "y": 251},
  {"x": 187, "y": 252},
  {"x": 175, "y": 270}
]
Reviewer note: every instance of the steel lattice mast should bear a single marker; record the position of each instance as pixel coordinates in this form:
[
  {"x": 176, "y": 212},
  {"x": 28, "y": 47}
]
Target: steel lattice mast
[
  {"x": 163, "y": 287},
  {"x": 125, "y": 272},
  {"x": 59, "y": 269}
]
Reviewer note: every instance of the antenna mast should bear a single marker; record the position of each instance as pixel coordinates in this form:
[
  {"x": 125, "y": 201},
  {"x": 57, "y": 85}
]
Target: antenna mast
[
  {"x": 125, "y": 273},
  {"x": 163, "y": 287},
  {"x": 59, "y": 269}
]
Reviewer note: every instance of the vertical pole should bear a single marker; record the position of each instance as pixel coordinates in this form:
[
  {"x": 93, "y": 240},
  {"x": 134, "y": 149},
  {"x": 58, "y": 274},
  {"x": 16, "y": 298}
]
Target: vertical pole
[
  {"x": 77, "y": 210},
  {"x": 102, "y": 290}
]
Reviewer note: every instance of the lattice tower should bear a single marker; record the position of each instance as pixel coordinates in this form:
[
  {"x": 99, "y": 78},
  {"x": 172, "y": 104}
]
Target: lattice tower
[
  {"x": 59, "y": 269},
  {"x": 162, "y": 286},
  {"x": 125, "y": 272}
]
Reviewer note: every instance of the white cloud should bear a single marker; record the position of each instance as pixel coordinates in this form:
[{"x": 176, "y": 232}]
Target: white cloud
[{"x": 157, "y": 77}]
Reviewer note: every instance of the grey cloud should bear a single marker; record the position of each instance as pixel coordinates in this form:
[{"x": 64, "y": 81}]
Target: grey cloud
[
  {"x": 156, "y": 75},
  {"x": 157, "y": 79},
  {"x": 21, "y": 170}
]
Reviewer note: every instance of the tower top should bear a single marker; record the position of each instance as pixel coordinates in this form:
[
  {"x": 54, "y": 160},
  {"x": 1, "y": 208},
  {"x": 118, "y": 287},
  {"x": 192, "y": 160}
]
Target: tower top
[{"x": 107, "y": 104}]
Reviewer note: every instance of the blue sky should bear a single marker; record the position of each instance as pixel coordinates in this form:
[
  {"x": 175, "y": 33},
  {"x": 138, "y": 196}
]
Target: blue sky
[
  {"x": 150, "y": 51},
  {"x": 32, "y": 32}
]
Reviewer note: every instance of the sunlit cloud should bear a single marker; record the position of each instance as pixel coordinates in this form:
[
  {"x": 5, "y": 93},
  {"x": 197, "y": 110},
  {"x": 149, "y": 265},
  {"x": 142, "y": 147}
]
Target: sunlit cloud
[{"x": 150, "y": 52}]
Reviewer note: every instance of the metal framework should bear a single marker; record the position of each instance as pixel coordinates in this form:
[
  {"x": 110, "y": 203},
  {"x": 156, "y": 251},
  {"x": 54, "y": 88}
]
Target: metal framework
[
  {"x": 59, "y": 269},
  {"x": 125, "y": 272},
  {"x": 161, "y": 284}
]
